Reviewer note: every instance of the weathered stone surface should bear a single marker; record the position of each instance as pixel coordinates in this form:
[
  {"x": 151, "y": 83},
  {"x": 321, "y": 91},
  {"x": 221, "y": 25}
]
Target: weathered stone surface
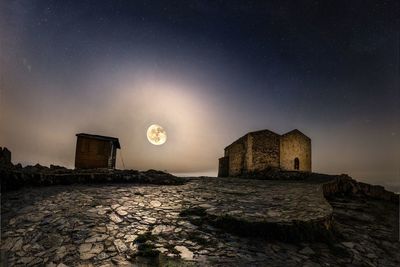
[
  {"x": 90, "y": 250},
  {"x": 115, "y": 218},
  {"x": 185, "y": 253},
  {"x": 162, "y": 229},
  {"x": 62, "y": 224},
  {"x": 276, "y": 209},
  {"x": 120, "y": 245},
  {"x": 130, "y": 238},
  {"x": 96, "y": 238},
  {"x": 61, "y": 252},
  {"x": 155, "y": 203},
  {"x": 348, "y": 244},
  {"x": 307, "y": 251},
  {"x": 121, "y": 212}
]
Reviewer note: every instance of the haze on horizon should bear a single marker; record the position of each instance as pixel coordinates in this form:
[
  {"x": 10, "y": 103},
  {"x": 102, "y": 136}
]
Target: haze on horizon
[{"x": 208, "y": 72}]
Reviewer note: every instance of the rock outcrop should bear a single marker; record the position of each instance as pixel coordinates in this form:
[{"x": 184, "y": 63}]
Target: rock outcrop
[
  {"x": 332, "y": 184},
  {"x": 15, "y": 177},
  {"x": 5, "y": 157},
  {"x": 345, "y": 185}
]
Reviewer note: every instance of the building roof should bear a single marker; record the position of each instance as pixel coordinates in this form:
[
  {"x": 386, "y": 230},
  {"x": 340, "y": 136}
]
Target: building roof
[
  {"x": 295, "y": 131},
  {"x": 254, "y": 132},
  {"x": 101, "y": 137}
]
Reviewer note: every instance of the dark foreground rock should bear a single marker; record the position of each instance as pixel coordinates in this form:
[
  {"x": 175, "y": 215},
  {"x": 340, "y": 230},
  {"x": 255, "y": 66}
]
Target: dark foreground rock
[{"x": 205, "y": 222}]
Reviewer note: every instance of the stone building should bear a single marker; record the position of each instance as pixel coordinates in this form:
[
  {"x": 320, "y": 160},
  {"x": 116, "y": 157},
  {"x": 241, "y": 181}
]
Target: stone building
[
  {"x": 257, "y": 151},
  {"x": 95, "y": 151}
]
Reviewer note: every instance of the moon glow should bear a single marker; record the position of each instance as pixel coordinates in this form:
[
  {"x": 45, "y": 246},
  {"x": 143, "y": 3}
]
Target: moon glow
[{"x": 156, "y": 135}]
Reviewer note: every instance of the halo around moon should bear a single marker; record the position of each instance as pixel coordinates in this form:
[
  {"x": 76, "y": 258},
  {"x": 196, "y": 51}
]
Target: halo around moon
[{"x": 156, "y": 135}]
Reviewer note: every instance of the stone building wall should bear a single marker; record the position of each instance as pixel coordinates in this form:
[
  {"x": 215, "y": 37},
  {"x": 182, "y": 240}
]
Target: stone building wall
[
  {"x": 295, "y": 145},
  {"x": 236, "y": 154},
  {"x": 258, "y": 151},
  {"x": 248, "y": 156},
  {"x": 264, "y": 150}
]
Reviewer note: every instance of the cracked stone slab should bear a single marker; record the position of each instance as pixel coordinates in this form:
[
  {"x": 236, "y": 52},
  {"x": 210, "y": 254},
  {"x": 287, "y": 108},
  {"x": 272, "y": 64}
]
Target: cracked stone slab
[
  {"x": 120, "y": 245},
  {"x": 90, "y": 250},
  {"x": 115, "y": 218}
]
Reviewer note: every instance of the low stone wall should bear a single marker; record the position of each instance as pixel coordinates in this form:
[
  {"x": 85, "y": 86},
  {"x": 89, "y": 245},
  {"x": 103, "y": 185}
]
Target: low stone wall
[{"x": 15, "y": 178}]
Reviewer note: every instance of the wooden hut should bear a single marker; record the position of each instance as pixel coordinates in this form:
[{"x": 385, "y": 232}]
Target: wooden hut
[{"x": 95, "y": 151}]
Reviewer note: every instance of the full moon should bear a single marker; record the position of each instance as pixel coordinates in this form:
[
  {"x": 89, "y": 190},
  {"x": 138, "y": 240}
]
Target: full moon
[{"x": 156, "y": 135}]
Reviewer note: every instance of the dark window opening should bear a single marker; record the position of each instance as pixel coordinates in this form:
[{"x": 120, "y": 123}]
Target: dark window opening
[{"x": 296, "y": 164}]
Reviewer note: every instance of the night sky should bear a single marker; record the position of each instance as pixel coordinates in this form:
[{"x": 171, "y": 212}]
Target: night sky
[{"x": 208, "y": 72}]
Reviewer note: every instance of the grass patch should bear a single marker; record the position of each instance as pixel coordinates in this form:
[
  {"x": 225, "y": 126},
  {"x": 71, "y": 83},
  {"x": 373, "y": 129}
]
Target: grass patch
[
  {"x": 165, "y": 261},
  {"x": 145, "y": 237},
  {"x": 145, "y": 247},
  {"x": 147, "y": 250}
]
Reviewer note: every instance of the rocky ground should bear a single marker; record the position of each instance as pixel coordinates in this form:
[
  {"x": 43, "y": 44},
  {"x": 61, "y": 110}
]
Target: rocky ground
[{"x": 205, "y": 222}]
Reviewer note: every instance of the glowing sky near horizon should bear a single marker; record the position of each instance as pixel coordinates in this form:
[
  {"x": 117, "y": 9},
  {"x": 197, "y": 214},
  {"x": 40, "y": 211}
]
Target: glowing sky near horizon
[{"x": 206, "y": 71}]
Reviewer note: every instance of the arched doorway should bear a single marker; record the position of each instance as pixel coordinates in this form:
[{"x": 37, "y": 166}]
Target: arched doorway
[{"x": 296, "y": 164}]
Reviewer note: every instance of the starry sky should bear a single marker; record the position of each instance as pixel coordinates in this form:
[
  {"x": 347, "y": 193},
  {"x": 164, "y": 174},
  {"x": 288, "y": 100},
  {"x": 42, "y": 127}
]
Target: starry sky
[{"x": 208, "y": 72}]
